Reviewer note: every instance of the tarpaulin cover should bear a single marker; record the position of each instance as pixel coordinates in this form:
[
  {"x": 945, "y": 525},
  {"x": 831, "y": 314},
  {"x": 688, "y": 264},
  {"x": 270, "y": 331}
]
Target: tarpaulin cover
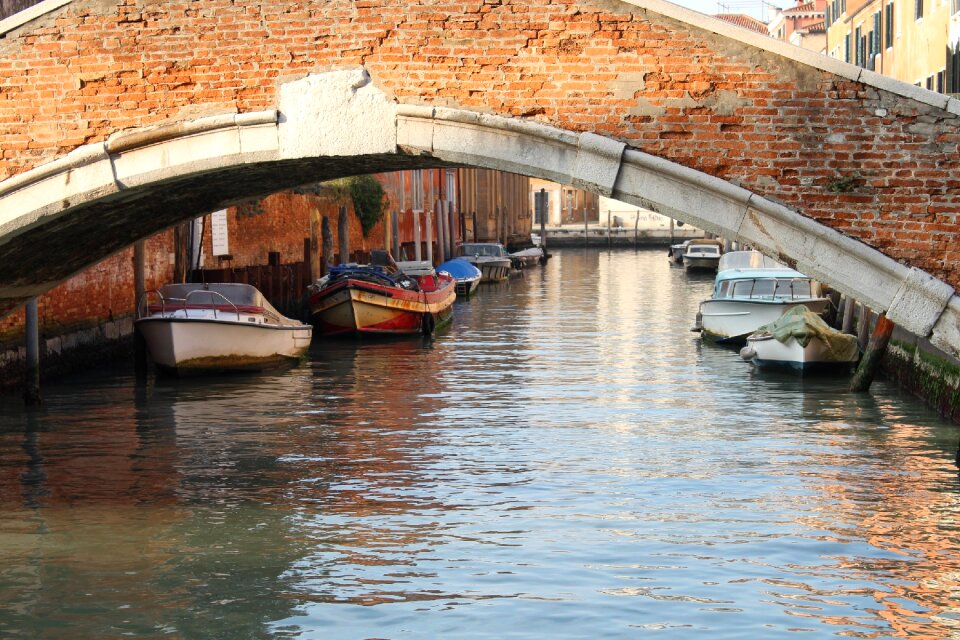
[{"x": 803, "y": 325}]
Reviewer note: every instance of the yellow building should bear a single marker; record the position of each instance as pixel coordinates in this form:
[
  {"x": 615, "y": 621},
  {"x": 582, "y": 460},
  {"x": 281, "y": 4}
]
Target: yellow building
[{"x": 904, "y": 39}]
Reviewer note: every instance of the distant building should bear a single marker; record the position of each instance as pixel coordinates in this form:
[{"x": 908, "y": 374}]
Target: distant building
[
  {"x": 745, "y": 21},
  {"x": 567, "y": 205},
  {"x": 916, "y": 41},
  {"x": 801, "y": 25}
]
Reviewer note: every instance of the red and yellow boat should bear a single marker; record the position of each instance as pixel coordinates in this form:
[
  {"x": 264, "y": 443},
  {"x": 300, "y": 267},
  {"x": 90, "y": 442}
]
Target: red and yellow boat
[{"x": 382, "y": 300}]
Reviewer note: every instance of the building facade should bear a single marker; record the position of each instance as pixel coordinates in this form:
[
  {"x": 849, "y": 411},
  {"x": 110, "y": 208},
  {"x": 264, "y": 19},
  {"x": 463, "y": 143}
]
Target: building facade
[{"x": 915, "y": 41}]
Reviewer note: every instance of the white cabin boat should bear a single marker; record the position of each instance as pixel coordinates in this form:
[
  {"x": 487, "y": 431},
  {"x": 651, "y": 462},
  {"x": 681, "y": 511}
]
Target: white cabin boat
[
  {"x": 491, "y": 258},
  {"x": 199, "y": 328},
  {"x": 702, "y": 254},
  {"x": 752, "y": 290},
  {"x": 801, "y": 342}
]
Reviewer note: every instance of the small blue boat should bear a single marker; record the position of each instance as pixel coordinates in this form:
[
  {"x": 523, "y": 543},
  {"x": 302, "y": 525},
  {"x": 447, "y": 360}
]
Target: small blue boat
[{"x": 466, "y": 275}]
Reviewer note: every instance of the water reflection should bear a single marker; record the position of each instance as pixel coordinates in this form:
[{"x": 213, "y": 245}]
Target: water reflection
[{"x": 566, "y": 453}]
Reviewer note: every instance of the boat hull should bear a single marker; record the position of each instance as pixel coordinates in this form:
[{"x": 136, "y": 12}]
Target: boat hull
[
  {"x": 731, "y": 321},
  {"x": 466, "y": 288},
  {"x": 701, "y": 263},
  {"x": 352, "y": 307},
  {"x": 494, "y": 271},
  {"x": 200, "y": 345},
  {"x": 816, "y": 357}
]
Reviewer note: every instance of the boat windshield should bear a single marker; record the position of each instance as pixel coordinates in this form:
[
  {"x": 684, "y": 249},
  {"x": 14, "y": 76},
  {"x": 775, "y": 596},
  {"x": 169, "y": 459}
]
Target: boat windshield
[
  {"x": 703, "y": 250},
  {"x": 768, "y": 289},
  {"x": 747, "y": 260},
  {"x": 482, "y": 249},
  {"x": 223, "y": 293}
]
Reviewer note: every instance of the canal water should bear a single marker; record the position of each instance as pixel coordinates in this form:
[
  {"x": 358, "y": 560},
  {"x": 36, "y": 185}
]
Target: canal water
[{"x": 566, "y": 461}]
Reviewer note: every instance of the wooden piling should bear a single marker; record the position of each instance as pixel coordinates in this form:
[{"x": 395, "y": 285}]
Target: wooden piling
[
  {"x": 428, "y": 225},
  {"x": 312, "y": 250},
  {"x": 441, "y": 233},
  {"x": 395, "y": 234},
  {"x": 343, "y": 236},
  {"x": 31, "y": 392},
  {"x": 139, "y": 289},
  {"x": 873, "y": 355},
  {"x": 417, "y": 249},
  {"x": 863, "y": 326},
  {"x": 452, "y": 236},
  {"x": 327, "y": 233},
  {"x": 848, "y": 308}
]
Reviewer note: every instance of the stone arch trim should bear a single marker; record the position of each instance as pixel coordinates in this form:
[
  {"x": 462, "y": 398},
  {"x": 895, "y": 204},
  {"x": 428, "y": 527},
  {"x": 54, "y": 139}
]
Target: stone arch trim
[{"x": 300, "y": 129}]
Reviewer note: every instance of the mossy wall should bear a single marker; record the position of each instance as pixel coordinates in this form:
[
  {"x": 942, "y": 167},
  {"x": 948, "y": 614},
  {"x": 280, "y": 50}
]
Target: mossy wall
[{"x": 925, "y": 371}]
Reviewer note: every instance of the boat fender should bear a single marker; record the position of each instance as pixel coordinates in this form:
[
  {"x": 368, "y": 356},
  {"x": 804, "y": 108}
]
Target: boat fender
[
  {"x": 427, "y": 324},
  {"x": 748, "y": 353}
]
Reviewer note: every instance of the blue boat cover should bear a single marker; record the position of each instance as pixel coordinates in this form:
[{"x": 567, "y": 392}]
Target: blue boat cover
[{"x": 460, "y": 269}]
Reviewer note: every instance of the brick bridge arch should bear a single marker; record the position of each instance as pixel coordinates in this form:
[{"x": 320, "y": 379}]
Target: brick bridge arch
[{"x": 120, "y": 119}]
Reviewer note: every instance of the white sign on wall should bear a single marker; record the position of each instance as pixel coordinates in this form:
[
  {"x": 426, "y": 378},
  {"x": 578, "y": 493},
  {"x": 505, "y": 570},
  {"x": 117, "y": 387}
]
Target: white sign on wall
[{"x": 218, "y": 228}]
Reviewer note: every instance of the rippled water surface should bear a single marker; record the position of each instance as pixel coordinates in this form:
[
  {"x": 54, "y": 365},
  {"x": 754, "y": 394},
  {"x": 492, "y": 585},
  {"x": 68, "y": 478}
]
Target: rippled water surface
[{"x": 566, "y": 461}]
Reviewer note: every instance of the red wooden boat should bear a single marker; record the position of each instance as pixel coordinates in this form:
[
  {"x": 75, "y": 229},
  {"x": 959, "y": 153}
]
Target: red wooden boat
[{"x": 385, "y": 300}]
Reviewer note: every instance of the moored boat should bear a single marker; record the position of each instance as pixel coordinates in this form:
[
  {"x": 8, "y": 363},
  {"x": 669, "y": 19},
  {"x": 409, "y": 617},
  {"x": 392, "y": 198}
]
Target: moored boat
[
  {"x": 702, "y": 254},
  {"x": 200, "y": 328},
  {"x": 491, "y": 258},
  {"x": 752, "y": 290},
  {"x": 465, "y": 274},
  {"x": 675, "y": 253},
  {"x": 802, "y": 342},
  {"x": 381, "y": 299},
  {"x": 529, "y": 257}
]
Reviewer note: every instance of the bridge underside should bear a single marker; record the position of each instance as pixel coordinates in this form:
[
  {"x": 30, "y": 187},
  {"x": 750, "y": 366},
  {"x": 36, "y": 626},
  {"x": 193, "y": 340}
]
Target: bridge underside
[
  {"x": 49, "y": 252},
  {"x": 65, "y": 216}
]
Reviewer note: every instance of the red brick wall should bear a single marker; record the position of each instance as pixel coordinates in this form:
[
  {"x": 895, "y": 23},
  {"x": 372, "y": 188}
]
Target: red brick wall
[
  {"x": 779, "y": 129},
  {"x": 103, "y": 292}
]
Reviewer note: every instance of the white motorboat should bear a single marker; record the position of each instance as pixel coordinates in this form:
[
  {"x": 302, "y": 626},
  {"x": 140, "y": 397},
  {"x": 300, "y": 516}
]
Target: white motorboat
[
  {"x": 529, "y": 257},
  {"x": 752, "y": 290},
  {"x": 676, "y": 252},
  {"x": 802, "y": 342},
  {"x": 702, "y": 254},
  {"x": 491, "y": 258},
  {"x": 198, "y": 328}
]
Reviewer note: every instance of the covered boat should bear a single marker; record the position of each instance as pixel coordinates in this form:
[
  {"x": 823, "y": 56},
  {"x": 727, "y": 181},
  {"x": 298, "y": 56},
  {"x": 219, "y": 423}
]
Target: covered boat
[
  {"x": 382, "y": 299},
  {"x": 214, "y": 327},
  {"x": 465, "y": 274},
  {"x": 801, "y": 341},
  {"x": 752, "y": 290},
  {"x": 529, "y": 257},
  {"x": 491, "y": 258}
]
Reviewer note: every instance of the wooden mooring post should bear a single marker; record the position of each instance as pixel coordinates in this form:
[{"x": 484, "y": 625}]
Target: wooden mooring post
[
  {"x": 873, "y": 355},
  {"x": 343, "y": 234},
  {"x": 327, "y": 246},
  {"x": 139, "y": 289},
  {"x": 31, "y": 392}
]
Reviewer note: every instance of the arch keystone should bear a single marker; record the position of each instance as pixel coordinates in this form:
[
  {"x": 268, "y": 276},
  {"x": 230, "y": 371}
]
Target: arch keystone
[
  {"x": 598, "y": 163},
  {"x": 340, "y": 113}
]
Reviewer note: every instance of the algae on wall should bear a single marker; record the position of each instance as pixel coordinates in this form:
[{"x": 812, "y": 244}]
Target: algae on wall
[{"x": 926, "y": 372}]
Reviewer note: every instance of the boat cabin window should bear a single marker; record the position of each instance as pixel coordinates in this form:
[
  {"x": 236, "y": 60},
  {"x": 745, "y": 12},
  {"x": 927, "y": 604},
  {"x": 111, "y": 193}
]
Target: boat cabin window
[
  {"x": 482, "y": 250},
  {"x": 703, "y": 250},
  {"x": 767, "y": 288}
]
